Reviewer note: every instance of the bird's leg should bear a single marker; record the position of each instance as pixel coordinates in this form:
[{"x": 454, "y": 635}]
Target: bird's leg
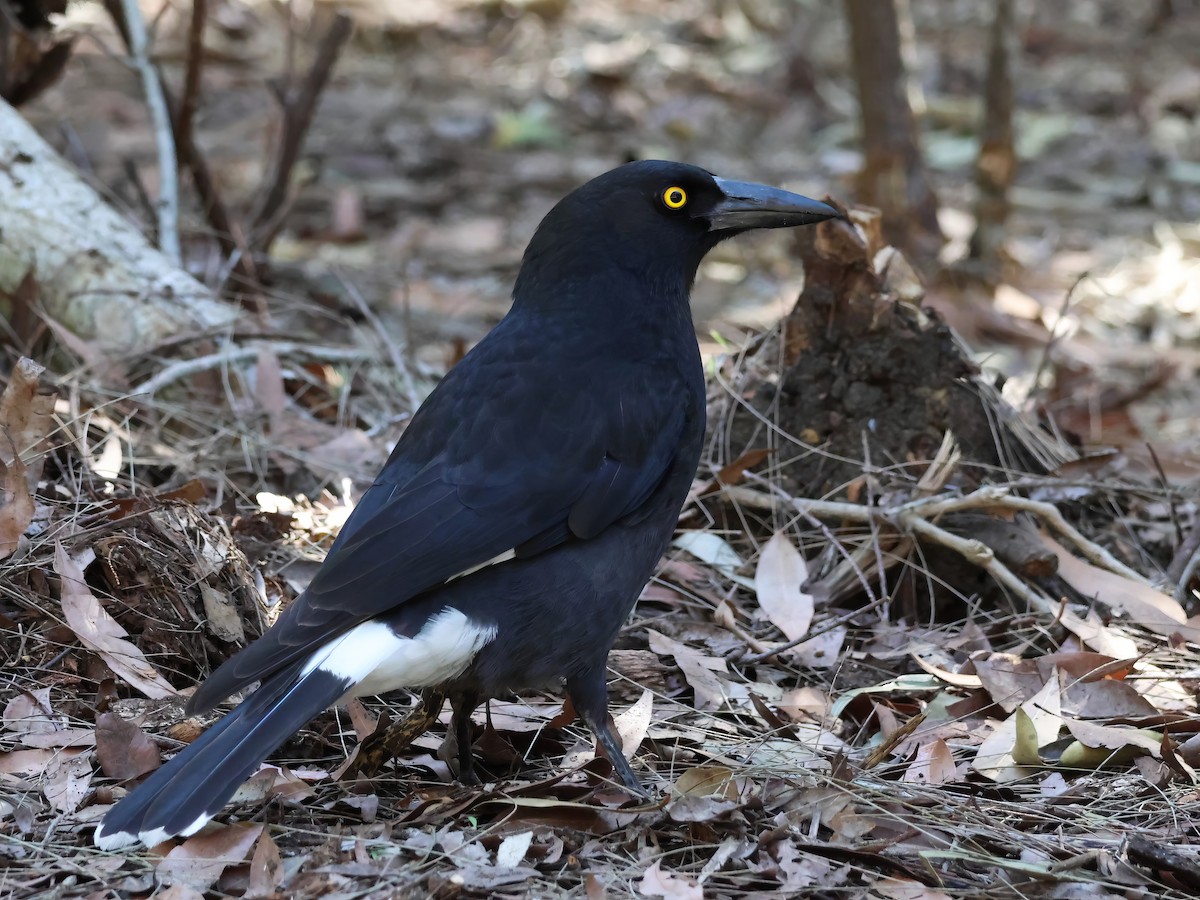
[
  {"x": 464, "y": 704},
  {"x": 380, "y": 746},
  {"x": 589, "y": 695}
]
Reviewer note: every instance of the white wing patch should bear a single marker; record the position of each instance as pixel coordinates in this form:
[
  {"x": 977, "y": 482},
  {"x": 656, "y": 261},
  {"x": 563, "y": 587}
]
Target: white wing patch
[{"x": 375, "y": 660}]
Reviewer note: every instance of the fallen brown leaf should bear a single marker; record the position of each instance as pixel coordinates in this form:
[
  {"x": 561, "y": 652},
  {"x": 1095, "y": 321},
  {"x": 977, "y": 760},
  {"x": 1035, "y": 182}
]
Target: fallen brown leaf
[
  {"x": 221, "y": 617},
  {"x": 67, "y": 779},
  {"x": 100, "y": 632},
  {"x": 1143, "y": 604},
  {"x": 266, "y": 869},
  {"x": 934, "y": 764},
  {"x": 199, "y": 861},
  {"x": 512, "y": 850},
  {"x": 634, "y": 722},
  {"x": 1115, "y": 737},
  {"x": 659, "y": 883},
  {"x": 25, "y": 762},
  {"x": 1105, "y": 699},
  {"x": 124, "y": 750},
  {"x": 734, "y": 472},
  {"x": 1009, "y": 679},
  {"x": 699, "y": 670},
  {"x": 29, "y": 713}
]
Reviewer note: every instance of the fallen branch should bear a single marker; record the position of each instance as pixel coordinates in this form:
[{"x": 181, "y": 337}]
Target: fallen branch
[
  {"x": 97, "y": 274},
  {"x": 236, "y": 354},
  {"x": 991, "y": 497},
  {"x": 916, "y": 517}
]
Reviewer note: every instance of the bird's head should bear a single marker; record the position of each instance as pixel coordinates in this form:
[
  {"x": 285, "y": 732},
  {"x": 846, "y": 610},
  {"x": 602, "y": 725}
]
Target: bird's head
[{"x": 656, "y": 220}]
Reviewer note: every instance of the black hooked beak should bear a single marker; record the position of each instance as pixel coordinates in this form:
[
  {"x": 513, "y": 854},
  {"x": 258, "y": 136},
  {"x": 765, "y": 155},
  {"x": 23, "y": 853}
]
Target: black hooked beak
[{"x": 748, "y": 205}]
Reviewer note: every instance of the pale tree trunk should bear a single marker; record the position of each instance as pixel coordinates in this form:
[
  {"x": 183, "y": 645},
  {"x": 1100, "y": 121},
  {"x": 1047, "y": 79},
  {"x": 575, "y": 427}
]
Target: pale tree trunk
[
  {"x": 97, "y": 274},
  {"x": 894, "y": 177}
]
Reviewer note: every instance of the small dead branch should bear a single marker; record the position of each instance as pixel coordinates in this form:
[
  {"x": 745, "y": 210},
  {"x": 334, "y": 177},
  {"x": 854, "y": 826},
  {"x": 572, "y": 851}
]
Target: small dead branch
[
  {"x": 1185, "y": 564},
  {"x": 97, "y": 274},
  {"x": 297, "y": 117},
  {"x": 235, "y": 354},
  {"x": 228, "y": 232},
  {"x": 1154, "y": 854},
  {"x": 191, "y": 78},
  {"x": 168, "y": 192},
  {"x": 916, "y": 518}
]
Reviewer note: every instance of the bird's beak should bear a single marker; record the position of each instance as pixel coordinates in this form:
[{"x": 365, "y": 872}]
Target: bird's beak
[{"x": 747, "y": 205}]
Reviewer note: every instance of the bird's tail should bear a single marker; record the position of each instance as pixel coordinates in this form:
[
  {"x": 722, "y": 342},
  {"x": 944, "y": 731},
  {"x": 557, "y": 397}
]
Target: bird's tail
[{"x": 181, "y": 796}]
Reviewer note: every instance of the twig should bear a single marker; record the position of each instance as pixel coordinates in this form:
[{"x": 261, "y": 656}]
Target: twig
[
  {"x": 1055, "y": 334},
  {"x": 394, "y": 352},
  {"x": 1050, "y": 514},
  {"x": 998, "y": 497},
  {"x": 880, "y": 753},
  {"x": 186, "y": 367},
  {"x": 229, "y": 234},
  {"x": 168, "y": 192},
  {"x": 297, "y": 117},
  {"x": 914, "y": 518},
  {"x": 191, "y": 78},
  {"x": 815, "y": 633},
  {"x": 1155, "y": 854},
  {"x": 1184, "y": 564},
  {"x": 823, "y": 528},
  {"x": 981, "y": 555}
]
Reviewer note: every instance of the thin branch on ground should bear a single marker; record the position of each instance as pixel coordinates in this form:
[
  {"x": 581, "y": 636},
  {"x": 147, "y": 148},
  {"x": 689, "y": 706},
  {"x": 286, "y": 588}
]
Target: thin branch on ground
[
  {"x": 915, "y": 518},
  {"x": 235, "y": 354}
]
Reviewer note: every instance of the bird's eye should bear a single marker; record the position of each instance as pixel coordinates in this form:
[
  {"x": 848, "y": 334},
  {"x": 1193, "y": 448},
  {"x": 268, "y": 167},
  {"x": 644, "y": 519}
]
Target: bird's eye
[{"x": 674, "y": 197}]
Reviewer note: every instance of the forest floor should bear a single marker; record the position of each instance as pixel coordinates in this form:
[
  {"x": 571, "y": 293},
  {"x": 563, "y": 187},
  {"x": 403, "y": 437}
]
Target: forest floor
[{"x": 950, "y": 723}]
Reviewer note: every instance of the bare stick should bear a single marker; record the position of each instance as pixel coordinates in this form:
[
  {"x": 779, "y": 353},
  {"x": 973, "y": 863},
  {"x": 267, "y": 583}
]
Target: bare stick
[
  {"x": 1185, "y": 563},
  {"x": 297, "y": 117},
  {"x": 233, "y": 354},
  {"x": 191, "y": 78},
  {"x": 981, "y": 555},
  {"x": 399, "y": 362},
  {"x": 229, "y": 234},
  {"x": 168, "y": 191},
  {"x": 914, "y": 517}
]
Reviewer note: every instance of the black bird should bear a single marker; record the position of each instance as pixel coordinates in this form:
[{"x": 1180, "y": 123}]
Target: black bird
[{"x": 510, "y": 532}]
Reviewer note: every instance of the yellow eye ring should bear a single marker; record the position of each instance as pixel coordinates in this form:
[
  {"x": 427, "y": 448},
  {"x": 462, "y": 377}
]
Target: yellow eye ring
[{"x": 674, "y": 197}]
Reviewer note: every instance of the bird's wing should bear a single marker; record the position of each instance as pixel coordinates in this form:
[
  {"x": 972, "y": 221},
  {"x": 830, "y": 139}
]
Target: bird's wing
[{"x": 526, "y": 476}]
